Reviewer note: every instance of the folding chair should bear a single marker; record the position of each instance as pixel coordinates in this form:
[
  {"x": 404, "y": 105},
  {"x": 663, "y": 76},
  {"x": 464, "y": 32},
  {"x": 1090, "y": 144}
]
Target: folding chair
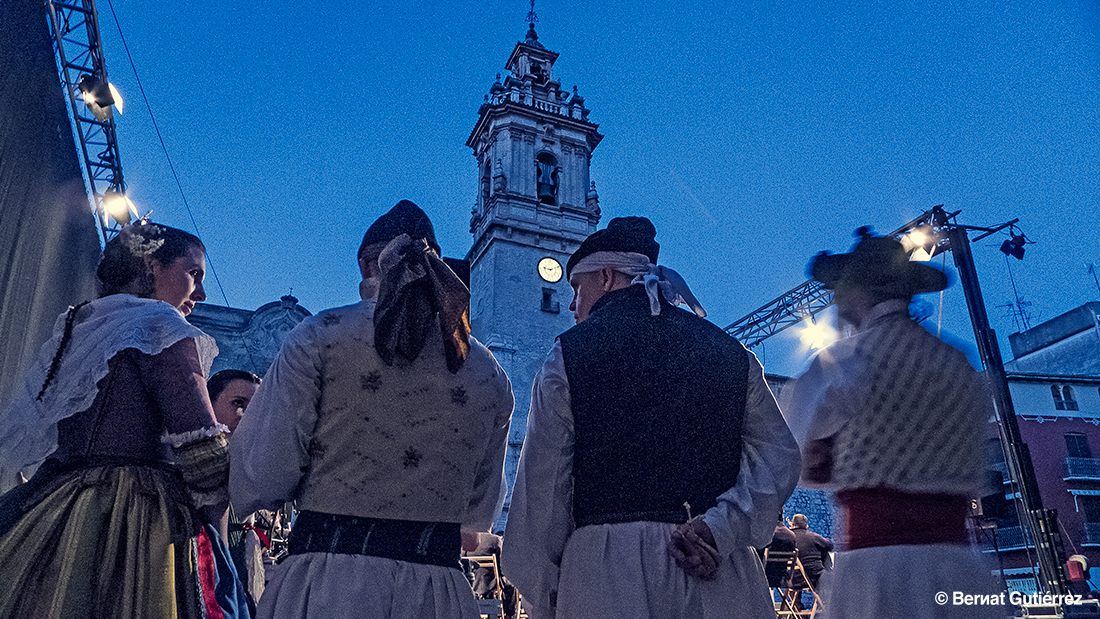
[
  {"x": 790, "y": 588},
  {"x": 778, "y": 567},
  {"x": 490, "y": 602}
]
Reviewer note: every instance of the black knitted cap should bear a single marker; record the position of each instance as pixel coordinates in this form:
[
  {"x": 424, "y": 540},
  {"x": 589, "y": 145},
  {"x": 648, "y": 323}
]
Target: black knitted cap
[
  {"x": 631, "y": 234},
  {"x": 404, "y": 218}
]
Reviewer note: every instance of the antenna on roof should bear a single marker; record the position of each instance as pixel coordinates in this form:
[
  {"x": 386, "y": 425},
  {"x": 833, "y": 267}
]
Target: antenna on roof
[{"x": 532, "y": 18}]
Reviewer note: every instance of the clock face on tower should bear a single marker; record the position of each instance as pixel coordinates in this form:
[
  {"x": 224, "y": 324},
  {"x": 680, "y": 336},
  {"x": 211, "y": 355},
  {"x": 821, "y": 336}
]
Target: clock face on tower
[{"x": 550, "y": 269}]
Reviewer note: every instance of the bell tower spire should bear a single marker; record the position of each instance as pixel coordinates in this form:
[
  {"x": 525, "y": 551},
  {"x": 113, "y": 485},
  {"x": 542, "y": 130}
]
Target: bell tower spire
[
  {"x": 535, "y": 204},
  {"x": 532, "y": 18}
]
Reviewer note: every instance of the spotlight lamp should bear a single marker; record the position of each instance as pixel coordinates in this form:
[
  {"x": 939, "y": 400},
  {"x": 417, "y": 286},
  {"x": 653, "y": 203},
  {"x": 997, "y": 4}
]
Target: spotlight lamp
[
  {"x": 118, "y": 207},
  {"x": 816, "y": 335},
  {"x": 99, "y": 96},
  {"x": 926, "y": 238},
  {"x": 1014, "y": 246}
]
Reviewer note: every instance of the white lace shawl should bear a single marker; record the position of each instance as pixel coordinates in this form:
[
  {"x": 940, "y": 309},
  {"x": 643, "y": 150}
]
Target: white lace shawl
[{"x": 28, "y": 428}]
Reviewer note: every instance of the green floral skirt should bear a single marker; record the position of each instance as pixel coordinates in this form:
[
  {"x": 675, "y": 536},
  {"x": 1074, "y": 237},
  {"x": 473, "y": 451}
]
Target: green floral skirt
[{"x": 105, "y": 541}]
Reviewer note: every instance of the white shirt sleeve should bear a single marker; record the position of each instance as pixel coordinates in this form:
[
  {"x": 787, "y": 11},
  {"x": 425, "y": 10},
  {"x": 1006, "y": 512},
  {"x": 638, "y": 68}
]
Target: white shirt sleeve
[
  {"x": 487, "y": 497},
  {"x": 770, "y": 467},
  {"x": 269, "y": 451},
  {"x": 540, "y": 518}
]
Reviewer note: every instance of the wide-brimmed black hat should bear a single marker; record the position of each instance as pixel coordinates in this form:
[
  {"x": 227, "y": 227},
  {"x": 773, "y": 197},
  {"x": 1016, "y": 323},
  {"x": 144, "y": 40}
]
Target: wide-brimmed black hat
[
  {"x": 404, "y": 218},
  {"x": 628, "y": 234},
  {"x": 877, "y": 263}
]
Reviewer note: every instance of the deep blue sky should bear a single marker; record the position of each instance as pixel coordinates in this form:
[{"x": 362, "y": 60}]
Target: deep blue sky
[{"x": 753, "y": 134}]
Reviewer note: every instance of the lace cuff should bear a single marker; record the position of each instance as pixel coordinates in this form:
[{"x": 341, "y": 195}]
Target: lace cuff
[
  {"x": 186, "y": 438},
  {"x": 204, "y": 464}
]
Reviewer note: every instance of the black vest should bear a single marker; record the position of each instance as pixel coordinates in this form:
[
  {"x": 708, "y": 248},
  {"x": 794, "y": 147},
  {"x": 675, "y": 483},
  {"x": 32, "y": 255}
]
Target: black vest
[{"x": 657, "y": 405}]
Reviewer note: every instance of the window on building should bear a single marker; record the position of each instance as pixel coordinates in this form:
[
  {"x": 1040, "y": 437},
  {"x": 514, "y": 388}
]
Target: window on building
[
  {"x": 485, "y": 185},
  {"x": 1090, "y": 506},
  {"x": 549, "y": 303},
  {"x": 1056, "y": 391},
  {"x": 1077, "y": 446},
  {"x": 539, "y": 72},
  {"x": 1068, "y": 399}
]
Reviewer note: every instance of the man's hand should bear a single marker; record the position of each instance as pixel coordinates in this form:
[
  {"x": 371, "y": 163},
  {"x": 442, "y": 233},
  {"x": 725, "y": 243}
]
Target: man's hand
[{"x": 692, "y": 547}]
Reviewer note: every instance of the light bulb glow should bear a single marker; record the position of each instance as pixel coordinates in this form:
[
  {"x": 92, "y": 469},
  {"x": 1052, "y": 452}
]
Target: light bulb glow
[
  {"x": 919, "y": 255},
  {"x": 816, "y": 335},
  {"x": 918, "y": 238},
  {"x": 119, "y": 207},
  {"x": 116, "y": 96}
]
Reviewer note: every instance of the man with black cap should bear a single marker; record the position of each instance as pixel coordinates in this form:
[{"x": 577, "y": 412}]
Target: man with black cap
[
  {"x": 386, "y": 422},
  {"x": 656, "y": 457},
  {"x": 892, "y": 419}
]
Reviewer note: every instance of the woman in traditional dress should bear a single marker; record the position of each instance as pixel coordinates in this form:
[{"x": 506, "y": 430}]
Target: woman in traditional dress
[{"x": 127, "y": 463}]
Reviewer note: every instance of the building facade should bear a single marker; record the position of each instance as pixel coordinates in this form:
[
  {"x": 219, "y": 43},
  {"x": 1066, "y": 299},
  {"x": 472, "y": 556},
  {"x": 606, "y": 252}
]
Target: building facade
[
  {"x": 533, "y": 143},
  {"x": 248, "y": 340},
  {"x": 1054, "y": 379}
]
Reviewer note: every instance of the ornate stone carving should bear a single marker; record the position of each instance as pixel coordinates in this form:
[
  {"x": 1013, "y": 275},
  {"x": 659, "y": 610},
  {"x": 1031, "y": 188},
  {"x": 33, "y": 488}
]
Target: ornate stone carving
[{"x": 500, "y": 181}]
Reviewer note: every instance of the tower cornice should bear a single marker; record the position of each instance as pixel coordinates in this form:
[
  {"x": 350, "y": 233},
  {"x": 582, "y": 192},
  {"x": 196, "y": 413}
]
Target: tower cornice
[{"x": 559, "y": 114}]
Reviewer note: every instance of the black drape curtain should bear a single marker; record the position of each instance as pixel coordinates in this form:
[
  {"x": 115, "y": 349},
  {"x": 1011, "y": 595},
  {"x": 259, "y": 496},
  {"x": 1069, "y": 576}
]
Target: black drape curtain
[{"x": 48, "y": 240}]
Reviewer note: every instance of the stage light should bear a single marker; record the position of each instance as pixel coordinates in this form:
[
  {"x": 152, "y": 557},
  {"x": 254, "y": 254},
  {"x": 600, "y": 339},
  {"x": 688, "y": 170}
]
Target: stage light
[
  {"x": 921, "y": 243},
  {"x": 116, "y": 96},
  {"x": 99, "y": 96},
  {"x": 918, "y": 237},
  {"x": 119, "y": 207},
  {"x": 1014, "y": 247},
  {"x": 816, "y": 335},
  {"x": 919, "y": 255}
]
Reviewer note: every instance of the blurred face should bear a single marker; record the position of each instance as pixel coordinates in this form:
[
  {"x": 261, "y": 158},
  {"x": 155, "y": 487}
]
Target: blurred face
[
  {"x": 587, "y": 289},
  {"x": 852, "y": 303},
  {"x": 180, "y": 282},
  {"x": 231, "y": 402}
]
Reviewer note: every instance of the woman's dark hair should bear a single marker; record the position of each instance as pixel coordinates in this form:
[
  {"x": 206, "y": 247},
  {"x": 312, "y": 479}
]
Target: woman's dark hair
[
  {"x": 219, "y": 381},
  {"x": 123, "y": 262},
  {"x": 70, "y": 318},
  {"x": 123, "y": 259}
]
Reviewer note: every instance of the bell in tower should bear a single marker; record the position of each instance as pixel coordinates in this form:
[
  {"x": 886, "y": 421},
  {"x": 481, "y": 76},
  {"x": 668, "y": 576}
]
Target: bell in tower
[{"x": 547, "y": 178}]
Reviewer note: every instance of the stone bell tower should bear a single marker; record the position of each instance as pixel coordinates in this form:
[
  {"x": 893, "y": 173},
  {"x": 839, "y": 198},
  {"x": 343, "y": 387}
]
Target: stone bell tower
[{"x": 535, "y": 204}]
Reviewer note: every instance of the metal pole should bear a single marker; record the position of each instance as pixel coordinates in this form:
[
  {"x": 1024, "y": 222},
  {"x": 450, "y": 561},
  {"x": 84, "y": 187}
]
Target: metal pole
[{"x": 1041, "y": 523}]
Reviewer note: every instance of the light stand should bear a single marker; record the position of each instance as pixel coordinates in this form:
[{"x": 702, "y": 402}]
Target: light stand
[{"x": 1040, "y": 523}]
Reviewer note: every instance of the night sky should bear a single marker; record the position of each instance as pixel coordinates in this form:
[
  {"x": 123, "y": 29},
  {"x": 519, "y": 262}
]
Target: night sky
[{"x": 753, "y": 134}]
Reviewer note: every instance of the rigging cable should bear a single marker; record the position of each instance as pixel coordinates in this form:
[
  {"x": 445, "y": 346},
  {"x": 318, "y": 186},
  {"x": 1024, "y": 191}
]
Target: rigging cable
[
  {"x": 163, "y": 147},
  {"x": 172, "y": 167}
]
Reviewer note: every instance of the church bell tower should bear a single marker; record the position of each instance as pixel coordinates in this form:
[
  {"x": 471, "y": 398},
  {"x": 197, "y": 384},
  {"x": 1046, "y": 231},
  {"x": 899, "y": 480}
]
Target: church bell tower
[{"x": 535, "y": 204}]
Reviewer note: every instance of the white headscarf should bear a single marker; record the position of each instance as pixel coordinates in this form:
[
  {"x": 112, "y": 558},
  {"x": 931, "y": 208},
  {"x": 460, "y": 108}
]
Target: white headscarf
[{"x": 655, "y": 278}]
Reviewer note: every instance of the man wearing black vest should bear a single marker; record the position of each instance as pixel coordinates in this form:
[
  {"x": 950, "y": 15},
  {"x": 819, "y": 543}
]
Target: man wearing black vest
[{"x": 656, "y": 457}]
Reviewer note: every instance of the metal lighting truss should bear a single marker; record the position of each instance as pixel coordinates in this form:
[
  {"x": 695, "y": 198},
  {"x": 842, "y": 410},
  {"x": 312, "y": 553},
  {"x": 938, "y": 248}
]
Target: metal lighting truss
[
  {"x": 79, "y": 53},
  {"x": 811, "y": 298}
]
